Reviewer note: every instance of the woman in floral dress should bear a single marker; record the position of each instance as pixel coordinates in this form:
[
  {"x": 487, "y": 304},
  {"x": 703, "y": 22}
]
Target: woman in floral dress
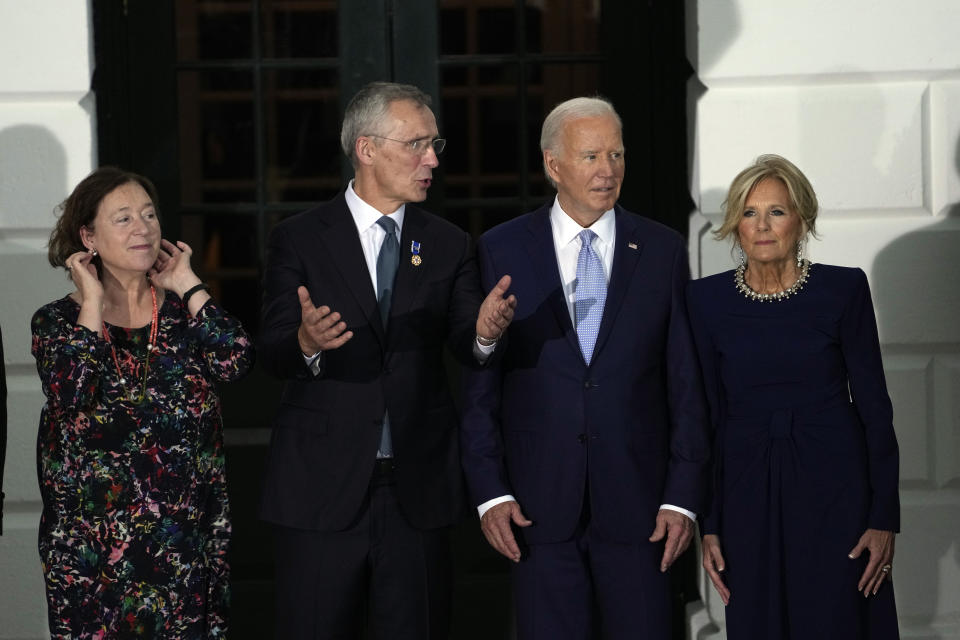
[{"x": 135, "y": 524}]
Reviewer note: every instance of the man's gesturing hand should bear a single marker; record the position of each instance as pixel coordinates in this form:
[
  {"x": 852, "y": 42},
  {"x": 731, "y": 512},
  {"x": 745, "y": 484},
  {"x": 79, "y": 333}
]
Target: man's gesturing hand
[
  {"x": 320, "y": 328},
  {"x": 496, "y": 312}
]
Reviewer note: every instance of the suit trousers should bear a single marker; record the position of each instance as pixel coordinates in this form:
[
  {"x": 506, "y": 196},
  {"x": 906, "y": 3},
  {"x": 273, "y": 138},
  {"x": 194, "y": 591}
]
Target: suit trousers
[
  {"x": 587, "y": 588},
  {"x": 379, "y": 578}
]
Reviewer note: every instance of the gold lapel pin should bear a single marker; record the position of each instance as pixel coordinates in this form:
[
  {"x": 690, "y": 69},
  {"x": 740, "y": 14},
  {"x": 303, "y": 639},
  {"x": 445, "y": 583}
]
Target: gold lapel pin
[{"x": 415, "y": 258}]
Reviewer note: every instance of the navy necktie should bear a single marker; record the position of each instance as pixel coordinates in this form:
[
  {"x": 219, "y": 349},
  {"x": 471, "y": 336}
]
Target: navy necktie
[{"x": 387, "y": 261}]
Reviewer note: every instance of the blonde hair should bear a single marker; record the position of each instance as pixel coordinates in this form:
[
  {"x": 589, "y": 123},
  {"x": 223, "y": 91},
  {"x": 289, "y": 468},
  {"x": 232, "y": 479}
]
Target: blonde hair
[{"x": 803, "y": 200}]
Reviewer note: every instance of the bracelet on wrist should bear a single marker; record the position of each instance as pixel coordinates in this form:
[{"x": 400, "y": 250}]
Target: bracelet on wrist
[{"x": 192, "y": 290}]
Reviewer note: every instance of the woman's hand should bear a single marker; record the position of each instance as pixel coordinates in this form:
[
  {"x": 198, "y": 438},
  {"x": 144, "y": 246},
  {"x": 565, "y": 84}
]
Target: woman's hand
[
  {"x": 714, "y": 565},
  {"x": 84, "y": 275},
  {"x": 880, "y": 544},
  {"x": 172, "y": 269},
  {"x": 89, "y": 289}
]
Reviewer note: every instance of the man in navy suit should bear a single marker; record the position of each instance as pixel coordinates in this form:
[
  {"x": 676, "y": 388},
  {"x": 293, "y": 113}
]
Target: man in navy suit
[
  {"x": 585, "y": 442},
  {"x": 361, "y": 295}
]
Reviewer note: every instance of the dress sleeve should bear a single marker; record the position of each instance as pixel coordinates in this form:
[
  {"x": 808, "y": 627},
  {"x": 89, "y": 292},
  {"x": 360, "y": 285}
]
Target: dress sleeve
[
  {"x": 709, "y": 367},
  {"x": 227, "y": 349},
  {"x": 70, "y": 359},
  {"x": 860, "y": 345}
]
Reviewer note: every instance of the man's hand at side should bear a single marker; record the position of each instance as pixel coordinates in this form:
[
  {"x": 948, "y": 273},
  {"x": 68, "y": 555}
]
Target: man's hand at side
[
  {"x": 495, "y": 525},
  {"x": 678, "y": 530}
]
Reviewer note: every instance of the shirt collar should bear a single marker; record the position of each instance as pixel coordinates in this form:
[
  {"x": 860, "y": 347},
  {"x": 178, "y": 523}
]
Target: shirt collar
[
  {"x": 566, "y": 229},
  {"x": 365, "y": 216}
]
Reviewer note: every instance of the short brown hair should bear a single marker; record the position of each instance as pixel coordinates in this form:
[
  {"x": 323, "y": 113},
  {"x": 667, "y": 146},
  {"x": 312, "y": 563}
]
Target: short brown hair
[
  {"x": 80, "y": 209},
  {"x": 803, "y": 200}
]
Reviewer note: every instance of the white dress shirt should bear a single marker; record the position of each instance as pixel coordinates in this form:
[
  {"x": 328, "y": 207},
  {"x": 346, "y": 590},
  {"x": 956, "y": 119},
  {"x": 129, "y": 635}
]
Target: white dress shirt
[
  {"x": 566, "y": 243},
  {"x": 371, "y": 239}
]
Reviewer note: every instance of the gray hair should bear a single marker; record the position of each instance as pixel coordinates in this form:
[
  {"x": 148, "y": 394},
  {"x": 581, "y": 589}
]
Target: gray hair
[
  {"x": 573, "y": 109},
  {"x": 367, "y": 111}
]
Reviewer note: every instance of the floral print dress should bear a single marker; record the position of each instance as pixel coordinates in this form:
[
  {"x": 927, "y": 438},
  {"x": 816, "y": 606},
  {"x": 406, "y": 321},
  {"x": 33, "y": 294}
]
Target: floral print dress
[{"x": 135, "y": 525}]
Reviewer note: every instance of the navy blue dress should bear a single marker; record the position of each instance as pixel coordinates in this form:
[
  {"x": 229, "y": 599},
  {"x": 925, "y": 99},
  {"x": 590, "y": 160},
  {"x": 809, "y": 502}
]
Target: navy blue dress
[{"x": 806, "y": 457}]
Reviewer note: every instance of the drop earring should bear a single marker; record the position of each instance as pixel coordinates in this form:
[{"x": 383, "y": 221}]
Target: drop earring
[{"x": 799, "y": 253}]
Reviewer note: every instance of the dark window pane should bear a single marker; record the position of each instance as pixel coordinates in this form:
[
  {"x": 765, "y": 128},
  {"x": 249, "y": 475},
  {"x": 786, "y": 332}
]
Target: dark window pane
[
  {"x": 213, "y": 30},
  {"x": 556, "y": 82},
  {"x": 498, "y": 122},
  {"x": 572, "y": 28},
  {"x": 303, "y": 156},
  {"x": 453, "y": 31},
  {"x": 227, "y": 257},
  {"x": 457, "y": 131},
  {"x": 496, "y": 30},
  {"x": 217, "y": 148},
  {"x": 305, "y": 29}
]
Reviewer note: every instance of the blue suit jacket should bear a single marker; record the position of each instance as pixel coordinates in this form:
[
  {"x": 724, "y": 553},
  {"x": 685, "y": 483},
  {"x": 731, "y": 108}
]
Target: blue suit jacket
[{"x": 630, "y": 428}]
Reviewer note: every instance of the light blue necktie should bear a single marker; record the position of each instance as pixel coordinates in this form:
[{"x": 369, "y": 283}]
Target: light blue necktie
[
  {"x": 387, "y": 262},
  {"x": 590, "y": 294}
]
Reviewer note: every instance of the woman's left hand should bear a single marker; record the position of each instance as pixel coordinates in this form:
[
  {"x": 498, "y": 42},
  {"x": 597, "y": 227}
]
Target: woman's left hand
[
  {"x": 172, "y": 269},
  {"x": 880, "y": 545}
]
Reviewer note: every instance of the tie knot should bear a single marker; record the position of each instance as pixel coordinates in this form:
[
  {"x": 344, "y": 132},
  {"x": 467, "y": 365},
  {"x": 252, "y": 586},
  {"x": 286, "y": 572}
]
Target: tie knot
[
  {"x": 586, "y": 238},
  {"x": 388, "y": 225}
]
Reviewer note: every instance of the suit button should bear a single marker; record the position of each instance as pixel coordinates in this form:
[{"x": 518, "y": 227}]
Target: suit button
[
  {"x": 587, "y": 384},
  {"x": 582, "y": 438},
  {"x": 388, "y": 370}
]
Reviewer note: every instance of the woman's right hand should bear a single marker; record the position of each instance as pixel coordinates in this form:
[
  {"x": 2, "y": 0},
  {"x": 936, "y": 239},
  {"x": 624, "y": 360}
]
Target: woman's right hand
[
  {"x": 84, "y": 275},
  {"x": 714, "y": 565},
  {"x": 89, "y": 288}
]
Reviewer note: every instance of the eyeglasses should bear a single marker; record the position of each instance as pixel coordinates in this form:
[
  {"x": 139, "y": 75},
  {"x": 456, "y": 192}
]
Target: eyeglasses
[{"x": 420, "y": 145}]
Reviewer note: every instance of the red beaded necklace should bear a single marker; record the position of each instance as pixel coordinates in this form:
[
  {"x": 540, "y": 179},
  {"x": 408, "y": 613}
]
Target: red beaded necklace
[{"x": 151, "y": 346}]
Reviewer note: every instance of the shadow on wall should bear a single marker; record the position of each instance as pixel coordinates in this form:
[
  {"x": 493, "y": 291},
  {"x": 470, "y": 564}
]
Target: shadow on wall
[
  {"x": 918, "y": 301},
  {"x": 33, "y": 174},
  {"x": 33, "y": 180}
]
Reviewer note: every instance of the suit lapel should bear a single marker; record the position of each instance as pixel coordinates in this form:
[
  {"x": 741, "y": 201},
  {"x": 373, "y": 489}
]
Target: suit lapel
[
  {"x": 628, "y": 245},
  {"x": 410, "y": 275},
  {"x": 543, "y": 255},
  {"x": 339, "y": 238}
]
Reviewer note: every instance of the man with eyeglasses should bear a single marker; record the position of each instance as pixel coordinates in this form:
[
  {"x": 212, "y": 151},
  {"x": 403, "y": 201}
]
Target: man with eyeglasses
[{"x": 361, "y": 294}]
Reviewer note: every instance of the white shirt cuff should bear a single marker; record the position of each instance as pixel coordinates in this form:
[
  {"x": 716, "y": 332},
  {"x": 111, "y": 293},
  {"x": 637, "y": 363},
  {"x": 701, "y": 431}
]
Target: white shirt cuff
[
  {"x": 482, "y": 509},
  {"x": 689, "y": 514},
  {"x": 482, "y": 352},
  {"x": 313, "y": 362}
]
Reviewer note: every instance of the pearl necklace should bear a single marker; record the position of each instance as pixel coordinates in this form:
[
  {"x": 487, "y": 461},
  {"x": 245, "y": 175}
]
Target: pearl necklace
[
  {"x": 745, "y": 289},
  {"x": 151, "y": 346}
]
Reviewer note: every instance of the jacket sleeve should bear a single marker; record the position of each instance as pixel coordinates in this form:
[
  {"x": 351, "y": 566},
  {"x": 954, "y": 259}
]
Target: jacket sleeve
[
  {"x": 227, "y": 349},
  {"x": 860, "y": 345},
  {"x": 689, "y": 444},
  {"x": 279, "y": 347},
  {"x": 70, "y": 360},
  {"x": 481, "y": 442},
  {"x": 709, "y": 366}
]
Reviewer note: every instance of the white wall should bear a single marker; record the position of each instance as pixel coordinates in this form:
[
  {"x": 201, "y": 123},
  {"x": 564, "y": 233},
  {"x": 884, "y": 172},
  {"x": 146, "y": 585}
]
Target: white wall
[
  {"x": 47, "y": 138},
  {"x": 864, "y": 96}
]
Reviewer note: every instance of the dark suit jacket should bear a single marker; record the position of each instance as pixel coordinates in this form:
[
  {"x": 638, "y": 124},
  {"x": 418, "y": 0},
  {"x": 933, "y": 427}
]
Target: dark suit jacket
[
  {"x": 631, "y": 428},
  {"x": 326, "y": 434}
]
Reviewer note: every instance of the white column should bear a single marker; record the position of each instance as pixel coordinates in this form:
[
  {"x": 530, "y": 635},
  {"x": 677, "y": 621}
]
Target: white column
[
  {"x": 47, "y": 122},
  {"x": 865, "y": 98}
]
